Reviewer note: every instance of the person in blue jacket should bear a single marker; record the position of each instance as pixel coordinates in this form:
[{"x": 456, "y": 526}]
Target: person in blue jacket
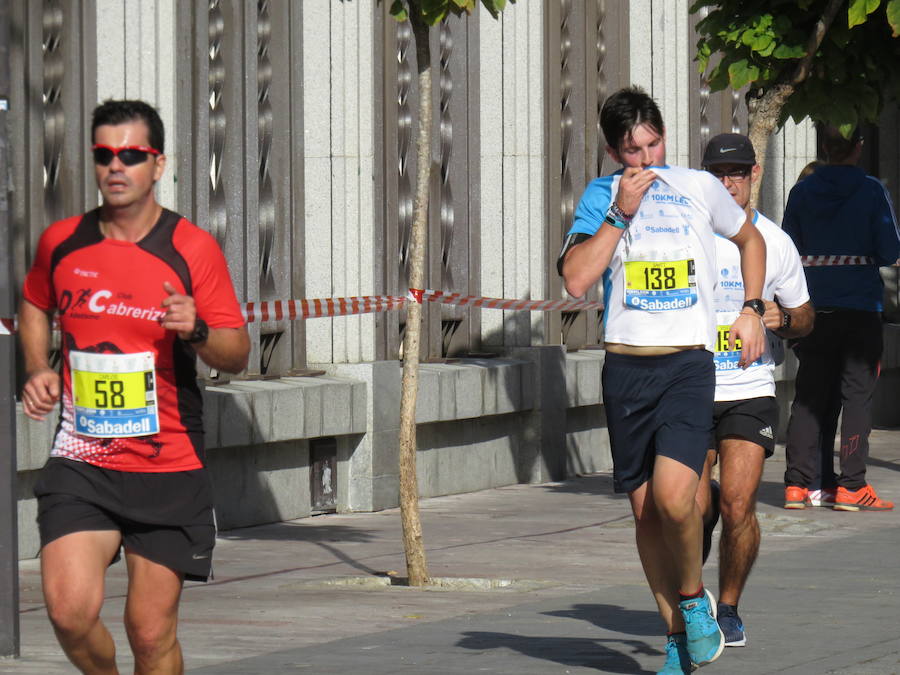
[{"x": 845, "y": 228}]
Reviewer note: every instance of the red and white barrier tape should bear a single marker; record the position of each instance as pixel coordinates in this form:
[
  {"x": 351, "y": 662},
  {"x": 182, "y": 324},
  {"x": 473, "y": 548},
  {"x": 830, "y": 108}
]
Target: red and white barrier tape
[
  {"x": 280, "y": 310},
  {"x": 291, "y": 310},
  {"x": 501, "y": 303},
  {"x": 828, "y": 260}
]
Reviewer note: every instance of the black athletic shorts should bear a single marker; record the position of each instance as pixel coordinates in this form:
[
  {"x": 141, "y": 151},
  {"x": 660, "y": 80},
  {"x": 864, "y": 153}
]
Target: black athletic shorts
[
  {"x": 164, "y": 517},
  {"x": 750, "y": 419},
  {"x": 657, "y": 405}
]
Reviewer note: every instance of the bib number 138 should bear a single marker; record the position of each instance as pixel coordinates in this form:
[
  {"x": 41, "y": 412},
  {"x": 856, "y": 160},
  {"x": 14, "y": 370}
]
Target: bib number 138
[{"x": 657, "y": 285}]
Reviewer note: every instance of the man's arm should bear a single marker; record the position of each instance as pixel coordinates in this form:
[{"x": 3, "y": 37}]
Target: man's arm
[
  {"x": 801, "y": 319},
  {"x": 225, "y": 349},
  {"x": 42, "y": 388},
  {"x": 748, "y": 326},
  {"x": 586, "y": 262},
  {"x": 887, "y": 238}
]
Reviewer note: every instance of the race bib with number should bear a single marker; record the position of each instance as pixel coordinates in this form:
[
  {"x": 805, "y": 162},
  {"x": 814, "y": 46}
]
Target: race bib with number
[
  {"x": 114, "y": 394},
  {"x": 725, "y": 358},
  {"x": 660, "y": 285}
]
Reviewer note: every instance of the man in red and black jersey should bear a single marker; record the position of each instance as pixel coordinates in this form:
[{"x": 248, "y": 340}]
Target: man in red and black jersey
[{"x": 139, "y": 293}]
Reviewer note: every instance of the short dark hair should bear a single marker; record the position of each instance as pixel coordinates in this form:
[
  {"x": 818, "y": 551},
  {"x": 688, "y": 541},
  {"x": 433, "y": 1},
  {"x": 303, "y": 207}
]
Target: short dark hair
[
  {"x": 836, "y": 148},
  {"x": 626, "y": 109},
  {"x": 120, "y": 112}
]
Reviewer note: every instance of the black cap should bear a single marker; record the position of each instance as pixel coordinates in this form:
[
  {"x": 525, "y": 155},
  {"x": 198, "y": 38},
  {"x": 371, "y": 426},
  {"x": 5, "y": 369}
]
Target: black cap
[{"x": 729, "y": 149}]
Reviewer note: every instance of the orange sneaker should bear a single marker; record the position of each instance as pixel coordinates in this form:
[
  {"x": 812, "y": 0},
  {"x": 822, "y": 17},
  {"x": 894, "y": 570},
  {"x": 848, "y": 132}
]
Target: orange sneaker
[
  {"x": 863, "y": 499},
  {"x": 795, "y": 497}
]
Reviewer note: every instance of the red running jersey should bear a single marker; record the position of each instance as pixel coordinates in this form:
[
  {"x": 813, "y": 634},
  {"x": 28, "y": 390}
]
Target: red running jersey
[{"x": 108, "y": 297}]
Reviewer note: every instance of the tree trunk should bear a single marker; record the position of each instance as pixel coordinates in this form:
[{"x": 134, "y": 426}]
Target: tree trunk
[
  {"x": 413, "y": 545},
  {"x": 766, "y": 111}
]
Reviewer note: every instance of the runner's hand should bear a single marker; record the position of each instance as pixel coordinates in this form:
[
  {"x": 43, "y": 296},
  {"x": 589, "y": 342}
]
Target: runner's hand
[
  {"x": 41, "y": 393},
  {"x": 632, "y": 186},
  {"x": 181, "y": 313},
  {"x": 772, "y": 317},
  {"x": 751, "y": 332}
]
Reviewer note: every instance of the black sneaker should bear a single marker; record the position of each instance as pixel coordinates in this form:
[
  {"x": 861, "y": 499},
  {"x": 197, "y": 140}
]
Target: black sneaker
[
  {"x": 713, "y": 521},
  {"x": 731, "y": 625}
]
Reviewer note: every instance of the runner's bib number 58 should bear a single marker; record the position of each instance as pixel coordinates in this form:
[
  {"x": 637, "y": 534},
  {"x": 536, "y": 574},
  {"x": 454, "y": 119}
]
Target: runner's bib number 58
[
  {"x": 660, "y": 285},
  {"x": 114, "y": 394}
]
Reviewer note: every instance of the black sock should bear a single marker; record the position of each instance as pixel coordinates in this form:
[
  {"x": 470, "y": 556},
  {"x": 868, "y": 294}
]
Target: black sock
[{"x": 699, "y": 594}]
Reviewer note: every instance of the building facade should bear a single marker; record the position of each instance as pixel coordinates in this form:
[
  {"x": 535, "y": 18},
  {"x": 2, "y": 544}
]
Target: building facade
[{"x": 291, "y": 138}]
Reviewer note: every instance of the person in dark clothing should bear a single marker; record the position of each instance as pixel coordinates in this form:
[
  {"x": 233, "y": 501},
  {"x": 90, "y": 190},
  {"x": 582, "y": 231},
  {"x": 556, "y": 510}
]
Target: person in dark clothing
[{"x": 845, "y": 228}]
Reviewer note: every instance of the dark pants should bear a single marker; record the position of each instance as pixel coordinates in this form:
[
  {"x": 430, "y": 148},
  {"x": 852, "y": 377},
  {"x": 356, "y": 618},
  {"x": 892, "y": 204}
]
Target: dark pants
[{"x": 838, "y": 371}]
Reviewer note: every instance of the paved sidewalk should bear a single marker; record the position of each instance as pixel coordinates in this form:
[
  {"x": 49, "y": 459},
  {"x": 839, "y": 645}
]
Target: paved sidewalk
[{"x": 569, "y": 596}]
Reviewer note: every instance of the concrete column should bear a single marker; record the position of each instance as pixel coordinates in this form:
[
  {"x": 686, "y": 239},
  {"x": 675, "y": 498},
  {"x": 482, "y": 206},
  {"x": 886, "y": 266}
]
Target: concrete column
[
  {"x": 512, "y": 169},
  {"x": 368, "y": 465},
  {"x": 542, "y": 455},
  {"x": 136, "y": 59},
  {"x": 338, "y": 82}
]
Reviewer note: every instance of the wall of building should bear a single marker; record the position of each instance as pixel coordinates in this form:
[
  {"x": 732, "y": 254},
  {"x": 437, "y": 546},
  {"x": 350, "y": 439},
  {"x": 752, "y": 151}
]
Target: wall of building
[{"x": 290, "y": 132}]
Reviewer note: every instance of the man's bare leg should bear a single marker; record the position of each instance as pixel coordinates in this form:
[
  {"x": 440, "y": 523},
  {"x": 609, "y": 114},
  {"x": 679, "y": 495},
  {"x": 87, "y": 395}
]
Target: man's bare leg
[
  {"x": 704, "y": 501},
  {"x": 73, "y": 571},
  {"x": 741, "y": 465},
  {"x": 668, "y": 535},
  {"x": 151, "y": 616}
]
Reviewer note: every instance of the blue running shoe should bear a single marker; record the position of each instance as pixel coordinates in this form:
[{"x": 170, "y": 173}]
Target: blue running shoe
[
  {"x": 677, "y": 660},
  {"x": 732, "y": 626},
  {"x": 705, "y": 641}
]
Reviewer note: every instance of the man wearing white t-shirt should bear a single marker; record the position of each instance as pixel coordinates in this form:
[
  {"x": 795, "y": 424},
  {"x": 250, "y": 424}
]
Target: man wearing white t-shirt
[
  {"x": 746, "y": 413},
  {"x": 649, "y": 232}
]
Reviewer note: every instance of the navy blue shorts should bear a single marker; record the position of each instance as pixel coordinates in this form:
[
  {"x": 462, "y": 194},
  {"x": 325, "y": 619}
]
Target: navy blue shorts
[{"x": 657, "y": 405}]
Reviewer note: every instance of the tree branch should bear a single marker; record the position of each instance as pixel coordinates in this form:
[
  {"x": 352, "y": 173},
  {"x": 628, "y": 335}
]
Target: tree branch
[
  {"x": 767, "y": 111},
  {"x": 815, "y": 39}
]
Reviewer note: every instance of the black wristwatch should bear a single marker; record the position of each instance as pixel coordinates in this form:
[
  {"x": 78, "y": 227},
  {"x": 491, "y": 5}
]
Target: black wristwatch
[
  {"x": 785, "y": 321},
  {"x": 756, "y": 305},
  {"x": 201, "y": 332}
]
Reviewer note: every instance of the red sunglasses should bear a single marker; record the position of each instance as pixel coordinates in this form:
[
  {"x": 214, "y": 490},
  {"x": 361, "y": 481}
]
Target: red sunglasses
[{"x": 129, "y": 155}]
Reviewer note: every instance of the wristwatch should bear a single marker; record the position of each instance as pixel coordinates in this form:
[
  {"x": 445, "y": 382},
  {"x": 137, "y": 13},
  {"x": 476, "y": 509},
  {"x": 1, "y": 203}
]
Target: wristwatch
[
  {"x": 785, "y": 321},
  {"x": 756, "y": 305},
  {"x": 201, "y": 332}
]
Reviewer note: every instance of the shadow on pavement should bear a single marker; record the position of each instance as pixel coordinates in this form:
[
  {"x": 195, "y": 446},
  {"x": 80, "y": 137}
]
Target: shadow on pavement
[
  {"x": 592, "y": 484},
  {"x": 574, "y": 652},
  {"x": 614, "y": 618},
  {"x": 304, "y": 530},
  {"x": 771, "y": 493}
]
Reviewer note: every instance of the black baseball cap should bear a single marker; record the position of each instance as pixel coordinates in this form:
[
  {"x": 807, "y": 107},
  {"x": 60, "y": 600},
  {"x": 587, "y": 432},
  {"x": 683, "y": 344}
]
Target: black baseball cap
[{"x": 729, "y": 149}]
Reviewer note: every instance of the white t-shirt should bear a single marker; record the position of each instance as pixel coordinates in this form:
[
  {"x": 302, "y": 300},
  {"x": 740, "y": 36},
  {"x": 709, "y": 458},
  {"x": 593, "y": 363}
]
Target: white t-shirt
[
  {"x": 785, "y": 280},
  {"x": 662, "y": 275}
]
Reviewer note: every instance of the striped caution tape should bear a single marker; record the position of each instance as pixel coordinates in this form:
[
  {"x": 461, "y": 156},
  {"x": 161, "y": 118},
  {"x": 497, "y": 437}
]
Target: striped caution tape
[
  {"x": 828, "y": 260},
  {"x": 280, "y": 310},
  {"x": 501, "y": 303},
  {"x": 292, "y": 310}
]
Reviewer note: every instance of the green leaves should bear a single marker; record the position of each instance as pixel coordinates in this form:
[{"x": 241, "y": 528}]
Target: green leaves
[
  {"x": 759, "y": 44},
  {"x": 893, "y": 17},
  {"x": 859, "y": 11},
  {"x": 435, "y": 11},
  {"x": 741, "y": 73}
]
